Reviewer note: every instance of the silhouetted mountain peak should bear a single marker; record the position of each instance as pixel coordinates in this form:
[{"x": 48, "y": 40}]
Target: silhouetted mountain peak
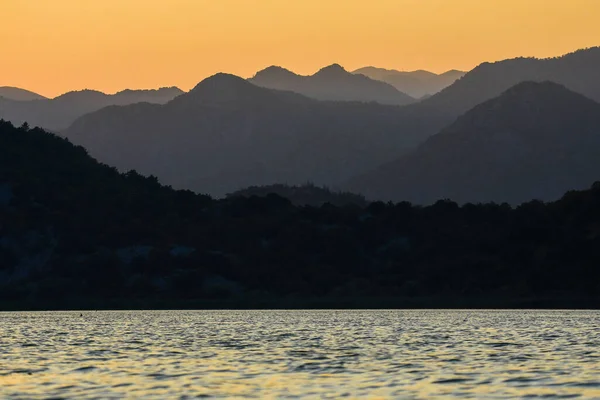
[
  {"x": 369, "y": 68},
  {"x": 84, "y": 91},
  {"x": 532, "y": 89},
  {"x": 332, "y": 83},
  {"x": 274, "y": 72},
  {"x": 18, "y": 94},
  {"x": 81, "y": 94},
  {"x": 332, "y": 70},
  {"x": 414, "y": 83},
  {"x": 528, "y": 109},
  {"x": 171, "y": 90},
  {"x": 453, "y": 71},
  {"x": 533, "y": 97},
  {"x": 534, "y": 141},
  {"x": 223, "y": 87},
  {"x": 222, "y": 79}
]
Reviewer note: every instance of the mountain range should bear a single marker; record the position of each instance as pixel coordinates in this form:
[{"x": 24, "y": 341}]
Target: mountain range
[
  {"x": 416, "y": 84},
  {"x": 60, "y": 112},
  {"x": 227, "y": 133},
  {"x": 534, "y": 141},
  {"x": 578, "y": 71},
  {"x": 331, "y": 83}
]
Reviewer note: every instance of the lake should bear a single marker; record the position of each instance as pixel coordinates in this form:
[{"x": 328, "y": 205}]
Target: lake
[{"x": 300, "y": 354}]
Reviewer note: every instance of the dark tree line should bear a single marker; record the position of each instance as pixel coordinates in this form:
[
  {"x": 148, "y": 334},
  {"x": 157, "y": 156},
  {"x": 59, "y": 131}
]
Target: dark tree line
[{"x": 74, "y": 232}]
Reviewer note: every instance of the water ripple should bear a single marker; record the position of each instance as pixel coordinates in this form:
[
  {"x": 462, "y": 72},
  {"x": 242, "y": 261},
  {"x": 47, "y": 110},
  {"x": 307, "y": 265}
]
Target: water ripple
[{"x": 300, "y": 354}]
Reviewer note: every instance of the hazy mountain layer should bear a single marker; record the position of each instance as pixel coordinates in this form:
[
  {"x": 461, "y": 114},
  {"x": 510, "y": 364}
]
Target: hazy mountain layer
[
  {"x": 577, "y": 71},
  {"x": 227, "y": 134},
  {"x": 535, "y": 141},
  {"x": 414, "y": 83},
  {"x": 18, "y": 94},
  {"x": 60, "y": 112},
  {"x": 331, "y": 83}
]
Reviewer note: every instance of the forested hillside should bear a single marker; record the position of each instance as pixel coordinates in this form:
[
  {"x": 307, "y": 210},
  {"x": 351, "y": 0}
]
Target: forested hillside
[{"x": 75, "y": 233}]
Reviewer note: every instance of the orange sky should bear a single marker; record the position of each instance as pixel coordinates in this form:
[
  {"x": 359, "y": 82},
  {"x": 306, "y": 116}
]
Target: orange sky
[{"x": 52, "y": 46}]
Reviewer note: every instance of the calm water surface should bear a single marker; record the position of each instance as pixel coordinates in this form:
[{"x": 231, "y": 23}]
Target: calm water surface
[{"x": 310, "y": 354}]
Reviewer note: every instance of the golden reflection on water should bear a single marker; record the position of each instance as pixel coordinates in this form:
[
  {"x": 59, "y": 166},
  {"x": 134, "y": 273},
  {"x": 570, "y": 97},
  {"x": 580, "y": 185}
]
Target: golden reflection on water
[{"x": 274, "y": 354}]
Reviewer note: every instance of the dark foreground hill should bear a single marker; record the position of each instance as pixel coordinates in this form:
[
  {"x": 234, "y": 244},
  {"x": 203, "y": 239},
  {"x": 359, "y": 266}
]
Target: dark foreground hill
[
  {"x": 331, "y": 83},
  {"x": 60, "y": 112},
  {"x": 535, "y": 141},
  {"x": 227, "y": 134},
  {"x": 77, "y": 234}
]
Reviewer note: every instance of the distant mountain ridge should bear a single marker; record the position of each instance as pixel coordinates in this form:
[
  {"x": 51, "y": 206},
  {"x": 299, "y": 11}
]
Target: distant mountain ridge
[
  {"x": 160, "y": 96},
  {"x": 60, "y": 112},
  {"x": 417, "y": 84},
  {"x": 227, "y": 134},
  {"x": 535, "y": 141},
  {"x": 331, "y": 83},
  {"x": 578, "y": 71},
  {"x": 18, "y": 94}
]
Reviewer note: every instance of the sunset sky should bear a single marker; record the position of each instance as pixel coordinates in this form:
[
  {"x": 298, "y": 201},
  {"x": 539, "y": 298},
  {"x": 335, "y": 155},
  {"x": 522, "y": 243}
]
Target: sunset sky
[{"x": 53, "y": 46}]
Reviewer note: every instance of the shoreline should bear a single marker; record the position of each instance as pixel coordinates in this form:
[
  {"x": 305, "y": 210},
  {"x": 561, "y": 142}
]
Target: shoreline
[{"x": 421, "y": 303}]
